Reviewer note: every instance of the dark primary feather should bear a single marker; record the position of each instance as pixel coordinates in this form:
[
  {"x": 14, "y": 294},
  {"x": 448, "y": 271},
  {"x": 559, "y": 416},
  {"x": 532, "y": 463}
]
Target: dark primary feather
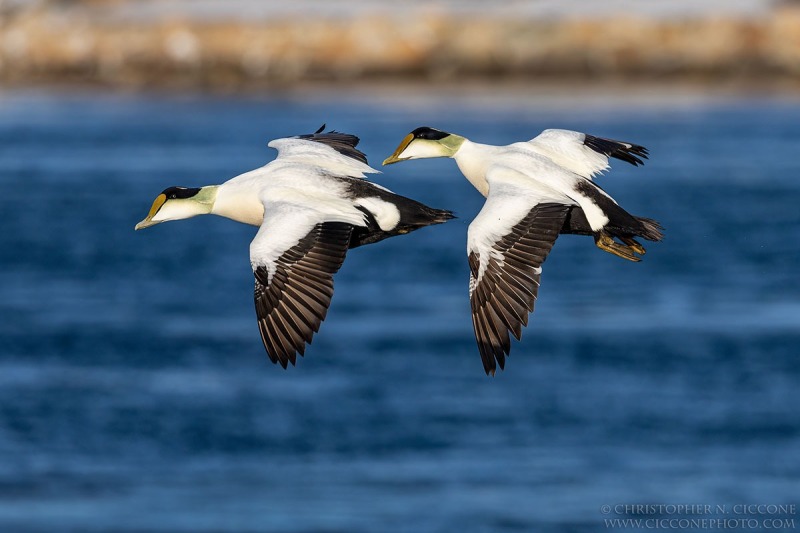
[
  {"x": 344, "y": 143},
  {"x": 293, "y": 304},
  {"x": 623, "y": 151},
  {"x": 506, "y": 292}
]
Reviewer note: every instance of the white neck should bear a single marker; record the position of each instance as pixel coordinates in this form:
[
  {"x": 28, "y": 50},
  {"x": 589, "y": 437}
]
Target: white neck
[
  {"x": 236, "y": 201},
  {"x": 473, "y": 161}
]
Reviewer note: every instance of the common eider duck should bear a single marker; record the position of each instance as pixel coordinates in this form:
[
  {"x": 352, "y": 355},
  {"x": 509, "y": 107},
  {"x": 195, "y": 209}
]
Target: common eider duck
[
  {"x": 534, "y": 190},
  {"x": 312, "y": 204}
]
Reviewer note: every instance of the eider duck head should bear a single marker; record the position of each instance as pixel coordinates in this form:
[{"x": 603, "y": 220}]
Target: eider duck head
[
  {"x": 425, "y": 142},
  {"x": 176, "y": 203}
]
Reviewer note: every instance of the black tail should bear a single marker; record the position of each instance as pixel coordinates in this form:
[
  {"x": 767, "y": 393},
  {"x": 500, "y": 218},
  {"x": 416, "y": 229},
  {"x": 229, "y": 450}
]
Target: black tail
[
  {"x": 413, "y": 215},
  {"x": 620, "y": 222},
  {"x": 649, "y": 229}
]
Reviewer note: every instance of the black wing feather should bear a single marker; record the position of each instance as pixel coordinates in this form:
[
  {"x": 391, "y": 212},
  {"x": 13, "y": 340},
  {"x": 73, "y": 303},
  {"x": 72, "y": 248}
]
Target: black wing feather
[
  {"x": 291, "y": 306},
  {"x": 624, "y": 151},
  {"x": 344, "y": 143},
  {"x": 506, "y": 291}
]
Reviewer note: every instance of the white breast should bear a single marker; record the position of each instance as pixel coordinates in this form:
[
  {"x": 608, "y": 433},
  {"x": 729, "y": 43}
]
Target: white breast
[
  {"x": 473, "y": 161},
  {"x": 238, "y": 199}
]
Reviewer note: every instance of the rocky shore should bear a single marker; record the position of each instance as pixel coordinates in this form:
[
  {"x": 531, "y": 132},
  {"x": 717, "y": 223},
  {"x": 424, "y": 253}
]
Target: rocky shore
[{"x": 61, "y": 44}]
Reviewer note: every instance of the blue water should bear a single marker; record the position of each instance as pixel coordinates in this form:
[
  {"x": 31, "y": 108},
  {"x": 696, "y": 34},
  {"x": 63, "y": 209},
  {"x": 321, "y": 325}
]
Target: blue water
[{"x": 135, "y": 395}]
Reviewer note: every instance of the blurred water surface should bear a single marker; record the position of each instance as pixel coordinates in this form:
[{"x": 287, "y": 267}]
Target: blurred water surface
[{"x": 135, "y": 394}]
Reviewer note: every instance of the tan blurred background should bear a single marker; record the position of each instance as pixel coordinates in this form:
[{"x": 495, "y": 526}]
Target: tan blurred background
[{"x": 246, "y": 44}]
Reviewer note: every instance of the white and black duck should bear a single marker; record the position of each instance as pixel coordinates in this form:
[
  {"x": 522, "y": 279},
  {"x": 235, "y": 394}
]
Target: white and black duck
[
  {"x": 534, "y": 190},
  {"x": 312, "y": 204}
]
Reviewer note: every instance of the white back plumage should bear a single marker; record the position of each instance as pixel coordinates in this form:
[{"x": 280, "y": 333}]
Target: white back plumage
[
  {"x": 319, "y": 155},
  {"x": 566, "y": 149}
]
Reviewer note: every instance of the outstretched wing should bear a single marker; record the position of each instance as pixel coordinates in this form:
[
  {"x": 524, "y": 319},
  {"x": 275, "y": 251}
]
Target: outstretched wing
[
  {"x": 344, "y": 143},
  {"x": 584, "y": 154},
  {"x": 294, "y": 260},
  {"x": 507, "y": 244}
]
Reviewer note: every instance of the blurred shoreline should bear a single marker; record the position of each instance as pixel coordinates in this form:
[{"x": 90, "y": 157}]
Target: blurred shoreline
[{"x": 100, "y": 43}]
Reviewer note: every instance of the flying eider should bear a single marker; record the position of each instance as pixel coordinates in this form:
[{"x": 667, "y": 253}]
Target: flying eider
[
  {"x": 534, "y": 190},
  {"x": 312, "y": 204}
]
